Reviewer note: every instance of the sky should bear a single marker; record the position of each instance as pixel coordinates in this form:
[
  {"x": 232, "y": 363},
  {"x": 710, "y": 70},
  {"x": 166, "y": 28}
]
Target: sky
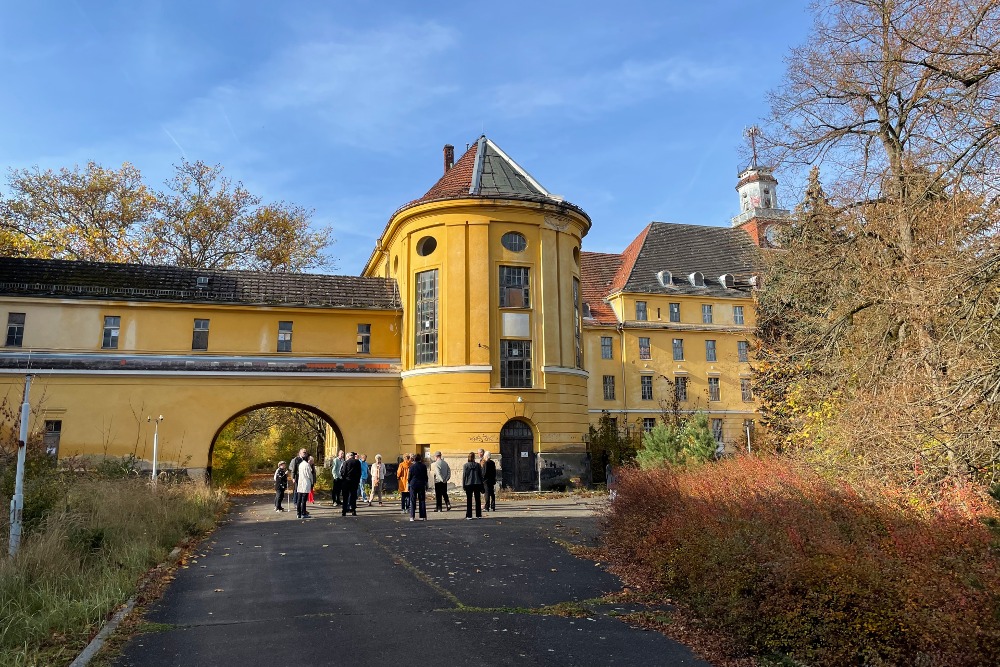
[{"x": 632, "y": 110}]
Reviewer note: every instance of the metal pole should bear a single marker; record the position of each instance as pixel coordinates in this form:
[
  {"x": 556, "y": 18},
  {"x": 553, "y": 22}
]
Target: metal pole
[
  {"x": 156, "y": 432},
  {"x": 17, "y": 502},
  {"x": 748, "y": 439}
]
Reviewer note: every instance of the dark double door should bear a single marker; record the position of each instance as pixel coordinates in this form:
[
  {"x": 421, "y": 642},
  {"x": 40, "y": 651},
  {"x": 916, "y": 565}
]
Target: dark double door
[{"x": 517, "y": 452}]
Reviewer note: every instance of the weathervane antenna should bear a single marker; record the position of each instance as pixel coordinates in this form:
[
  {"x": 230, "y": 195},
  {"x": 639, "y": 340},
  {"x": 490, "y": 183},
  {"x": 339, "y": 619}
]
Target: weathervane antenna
[{"x": 752, "y": 133}]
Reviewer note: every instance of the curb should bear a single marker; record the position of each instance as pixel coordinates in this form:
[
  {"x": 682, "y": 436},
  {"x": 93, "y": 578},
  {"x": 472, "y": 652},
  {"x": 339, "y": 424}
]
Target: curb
[{"x": 97, "y": 642}]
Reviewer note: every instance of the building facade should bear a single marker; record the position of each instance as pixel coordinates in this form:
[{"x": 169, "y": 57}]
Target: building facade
[{"x": 477, "y": 322}]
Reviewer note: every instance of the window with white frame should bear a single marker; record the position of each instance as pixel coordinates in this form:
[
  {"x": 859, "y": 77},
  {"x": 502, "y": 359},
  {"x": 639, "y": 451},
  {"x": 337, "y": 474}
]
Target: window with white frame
[
  {"x": 644, "y": 351},
  {"x": 576, "y": 323},
  {"x": 743, "y": 350},
  {"x": 710, "y": 350},
  {"x": 364, "y": 339},
  {"x": 675, "y": 312},
  {"x": 714, "y": 389},
  {"x": 426, "y": 312},
  {"x": 648, "y": 424},
  {"x": 607, "y": 352},
  {"x": 609, "y": 387},
  {"x": 284, "y": 336},
  {"x": 681, "y": 388},
  {"x": 199, "y": 339},
  {"x": 640, "y": 311},
  {"x": 717, "y": 429},
  {"x": 678, "y": 347},
  {"x": 706, "y": 313},
  {"x": 746, "y": 390},
  {"x": 646, "y": 385},
  {"x": 738, "y": 314},
  {"x": 112, "y": 326},
  {"x": 15, "y": 329}
]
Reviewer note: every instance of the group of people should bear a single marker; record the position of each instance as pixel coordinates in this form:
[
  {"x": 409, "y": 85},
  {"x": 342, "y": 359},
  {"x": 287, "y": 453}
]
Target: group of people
[{"x": 352, "y": 474}]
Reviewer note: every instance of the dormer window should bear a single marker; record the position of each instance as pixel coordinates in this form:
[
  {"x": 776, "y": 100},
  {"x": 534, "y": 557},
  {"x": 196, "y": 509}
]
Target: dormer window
[
  {"x": 697, "y": 279},
  {"x": 202, "y": 282},
  {"x": 665, "y": 278}
]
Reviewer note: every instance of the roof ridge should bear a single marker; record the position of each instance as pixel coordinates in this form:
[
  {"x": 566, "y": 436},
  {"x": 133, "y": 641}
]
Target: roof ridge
[{"x": 629, "y": 257}]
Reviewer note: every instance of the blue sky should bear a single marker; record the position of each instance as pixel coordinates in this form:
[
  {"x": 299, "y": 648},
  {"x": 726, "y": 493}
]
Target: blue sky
[{"x": 632, "y": 110}]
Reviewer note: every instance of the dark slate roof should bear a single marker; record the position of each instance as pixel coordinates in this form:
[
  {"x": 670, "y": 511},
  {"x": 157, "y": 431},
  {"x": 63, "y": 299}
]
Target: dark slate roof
[
  {"x": 485, "y": 171},
  {"x": 135, "y": 282},
  {"x": 679, "y": 249},
  {"x": 683, "y": 250}
]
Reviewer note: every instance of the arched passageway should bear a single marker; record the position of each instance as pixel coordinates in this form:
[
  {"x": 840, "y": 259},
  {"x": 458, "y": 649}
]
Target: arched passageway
[{"x": 517, "y": 456}]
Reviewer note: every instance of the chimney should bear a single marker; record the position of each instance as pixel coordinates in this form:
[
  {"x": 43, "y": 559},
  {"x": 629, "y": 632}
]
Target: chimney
[{"x": 449, "y": 157}]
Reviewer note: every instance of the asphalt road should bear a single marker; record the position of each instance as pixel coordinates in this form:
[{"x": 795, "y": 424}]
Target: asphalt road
[{"x": 270, "y": 589}]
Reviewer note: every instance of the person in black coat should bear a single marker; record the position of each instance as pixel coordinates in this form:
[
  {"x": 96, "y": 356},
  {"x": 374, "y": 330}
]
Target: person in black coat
[
  {"x": 472, "y": 482},
  {"x": 351, "y": 476},
  {"x": 490, "y": 482},
  {"x": 418, "y": 488}
]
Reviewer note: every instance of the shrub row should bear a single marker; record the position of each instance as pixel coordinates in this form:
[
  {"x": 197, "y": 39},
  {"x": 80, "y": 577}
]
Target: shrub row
[{"x": 823, "y": 573}]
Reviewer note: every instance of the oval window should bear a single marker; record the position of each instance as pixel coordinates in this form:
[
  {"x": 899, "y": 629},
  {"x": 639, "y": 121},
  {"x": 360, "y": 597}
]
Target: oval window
[
  {"x": 513, "y": 241},
  {"x": 576, "y": 256},
  {"x": 426, "y": 246}
]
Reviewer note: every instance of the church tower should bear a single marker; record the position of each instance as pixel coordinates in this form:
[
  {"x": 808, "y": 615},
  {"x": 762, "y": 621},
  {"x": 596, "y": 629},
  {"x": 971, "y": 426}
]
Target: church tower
[{"x": 760, "y": 215}]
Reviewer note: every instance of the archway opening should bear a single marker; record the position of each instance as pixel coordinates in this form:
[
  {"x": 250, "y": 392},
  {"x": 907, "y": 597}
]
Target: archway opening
[
  {"x": 517, "y": 456},
  {"x": 248, "y": 446}
]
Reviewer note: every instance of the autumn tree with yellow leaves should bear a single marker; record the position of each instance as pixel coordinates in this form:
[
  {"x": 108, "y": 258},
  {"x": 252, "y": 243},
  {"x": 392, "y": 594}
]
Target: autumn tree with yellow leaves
[
  {"x": 201, "y": 219},
  {"x": 880, "y": 319}
]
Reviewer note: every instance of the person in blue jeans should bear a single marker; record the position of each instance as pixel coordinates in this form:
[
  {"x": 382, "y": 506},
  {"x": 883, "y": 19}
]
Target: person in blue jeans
[{"x": 362, "y": 494}]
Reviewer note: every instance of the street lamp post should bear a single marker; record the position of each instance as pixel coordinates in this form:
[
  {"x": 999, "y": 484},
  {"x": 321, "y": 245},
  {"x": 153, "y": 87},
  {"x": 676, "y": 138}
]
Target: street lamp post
[
  {"x": 17, "y": 502},
  {"x": 156, "y": 432}
]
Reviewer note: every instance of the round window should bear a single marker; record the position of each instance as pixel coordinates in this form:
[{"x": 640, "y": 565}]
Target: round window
[
  {"x": 513, "y": 241},
  {"x": 426, "y": 246}
]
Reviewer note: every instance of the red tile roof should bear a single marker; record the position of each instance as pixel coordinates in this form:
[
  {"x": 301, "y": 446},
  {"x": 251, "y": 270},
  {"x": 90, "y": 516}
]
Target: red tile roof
[
  {"x": 629, "y": 255},
  {"x": 597, "y": 271},
  {"x": 456, "y": 182}
]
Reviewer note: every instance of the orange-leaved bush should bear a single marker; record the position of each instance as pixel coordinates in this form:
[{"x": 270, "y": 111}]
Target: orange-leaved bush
[{"x": 797, "y": 565}]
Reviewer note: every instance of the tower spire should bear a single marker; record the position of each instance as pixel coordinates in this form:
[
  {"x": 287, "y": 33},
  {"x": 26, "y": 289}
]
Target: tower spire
[{"x": 752, "y": 133}]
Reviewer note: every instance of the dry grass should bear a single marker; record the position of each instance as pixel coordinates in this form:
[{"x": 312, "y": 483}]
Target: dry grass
[{"x": 86, "y": 558}]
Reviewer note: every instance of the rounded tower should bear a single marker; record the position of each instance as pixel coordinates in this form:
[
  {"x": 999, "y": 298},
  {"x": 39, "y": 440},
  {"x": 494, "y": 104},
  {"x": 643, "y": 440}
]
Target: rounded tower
[{"x": 488, "y": 268}]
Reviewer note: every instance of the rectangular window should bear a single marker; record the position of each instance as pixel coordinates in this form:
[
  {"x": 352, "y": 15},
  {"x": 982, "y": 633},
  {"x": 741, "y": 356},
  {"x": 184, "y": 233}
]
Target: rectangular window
[
  {"x": 53, "y": 431},
  {"x": 426, "y": 324},
  {"x": 199, "y": 341},
  {"x": 640, "y": 310},
  {"x": 576, "y": 323},
  {"x": 678, "y": 349},
  {"x": 15, "y": 329},
  {"x": 112, "y": 325},
  {"x": 606, "y": 349},
  {"x": 675, "y": 312},
  {"x": 738, "y": 314},
  {"x": 706, "y": 313},
  {"x": 648, "y": 424},
  {"x": 514, "y": 287},
  {"x": 746, "y": 390},
  {"x": 646, "y": 384},
  {"x": 644, "y": 348},
  {"x": 284, "y": 336},
  {"x": 364, "y": 339},
  {"x": 717, "y": 429},
  {"x": 709, "y": 350},
  {"x": 609, "y": 387},
  {"x": 743, "y": 350},
  {"x": 714, "y": 391},
  {"x": 681, "y": 388},
  {"x": 515, "y": 363}
]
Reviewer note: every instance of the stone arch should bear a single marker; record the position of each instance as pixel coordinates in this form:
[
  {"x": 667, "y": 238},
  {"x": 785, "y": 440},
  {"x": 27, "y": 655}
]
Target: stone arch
[{"x": 271, "y": 404}]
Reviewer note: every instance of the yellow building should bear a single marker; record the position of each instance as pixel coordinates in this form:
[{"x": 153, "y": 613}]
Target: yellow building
[{"x": 477, "y": 322}]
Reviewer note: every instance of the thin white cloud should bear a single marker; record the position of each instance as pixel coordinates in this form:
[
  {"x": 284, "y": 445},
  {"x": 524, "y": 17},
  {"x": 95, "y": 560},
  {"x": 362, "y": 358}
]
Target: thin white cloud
[{"x": 596, "y": 92}]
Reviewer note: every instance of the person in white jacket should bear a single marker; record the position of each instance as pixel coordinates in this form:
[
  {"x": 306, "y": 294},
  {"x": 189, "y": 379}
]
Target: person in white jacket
[
  {"x": 305, "y": 482},
  {"x": 377, "y": 472},
  {"x": 442, "y": 474}
]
